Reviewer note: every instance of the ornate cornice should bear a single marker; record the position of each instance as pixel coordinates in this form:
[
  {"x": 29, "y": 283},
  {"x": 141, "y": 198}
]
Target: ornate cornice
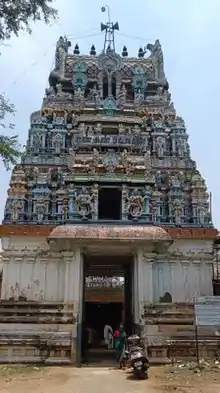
[{"x": 45, "y": 231}]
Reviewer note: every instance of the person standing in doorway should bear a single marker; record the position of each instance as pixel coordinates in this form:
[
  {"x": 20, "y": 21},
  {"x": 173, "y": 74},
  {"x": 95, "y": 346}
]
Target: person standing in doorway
[
  {"x": 119, "y": 342},
  {"x": 108, "y": 336}
]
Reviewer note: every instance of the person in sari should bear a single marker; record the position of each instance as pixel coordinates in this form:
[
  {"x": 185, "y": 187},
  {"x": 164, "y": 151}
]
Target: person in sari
[{"x": 119, "y": 343}]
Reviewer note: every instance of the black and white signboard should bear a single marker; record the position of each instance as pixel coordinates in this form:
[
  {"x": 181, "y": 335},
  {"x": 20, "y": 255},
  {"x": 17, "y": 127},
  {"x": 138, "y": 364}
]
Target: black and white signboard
[{"x": 207, "y": 311}]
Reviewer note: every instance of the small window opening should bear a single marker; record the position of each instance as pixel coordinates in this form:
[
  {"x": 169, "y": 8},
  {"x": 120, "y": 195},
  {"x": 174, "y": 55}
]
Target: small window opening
[
  {"x": 88, "y": 89},
  {"x": 114, "y": 87},
  {"x": 105, "y": 87},
  {"x": 130, "y": 93},
  {"x": 109, "y": 204}
]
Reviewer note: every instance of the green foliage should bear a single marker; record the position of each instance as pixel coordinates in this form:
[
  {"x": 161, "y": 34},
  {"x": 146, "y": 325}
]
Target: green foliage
[
  {"x": 9, "y": 146},
  {"x": 16, "y": 16}
]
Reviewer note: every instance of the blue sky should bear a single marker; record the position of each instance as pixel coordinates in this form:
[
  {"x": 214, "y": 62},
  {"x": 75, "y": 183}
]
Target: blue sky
[{"x": 189, "y": 31}]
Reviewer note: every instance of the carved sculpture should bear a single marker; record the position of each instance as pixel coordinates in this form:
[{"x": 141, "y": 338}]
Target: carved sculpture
[
  {"x": 16, "y": 206},
  {"x": 57, "y": 142},
  {"x": 84, "y": 203},
  {"x": 135, "y": 204},
  {"x": 61, "y": 50},
  {"x": 156, "y": 54},
  {"x": 139, "y": 98},
  {"x": 112, "y": 130},
  {"x": 79, "y": 95},
  {"x": 160, "y": 146},
  {"x": 122, "y": 95},
  {"x": 177, "y": 211}
]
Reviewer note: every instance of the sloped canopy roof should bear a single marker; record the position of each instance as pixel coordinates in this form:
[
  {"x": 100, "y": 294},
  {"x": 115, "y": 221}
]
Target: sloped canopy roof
[{"x": 109, "y": 232}]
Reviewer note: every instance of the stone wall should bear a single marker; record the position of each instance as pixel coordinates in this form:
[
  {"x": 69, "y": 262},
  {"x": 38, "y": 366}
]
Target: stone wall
[
  {"x": 37, "y": 332},
  {"x": 169, "y": 332},
  {"x": 183, "y": 273},
  {"x": 32, "y": 272}
]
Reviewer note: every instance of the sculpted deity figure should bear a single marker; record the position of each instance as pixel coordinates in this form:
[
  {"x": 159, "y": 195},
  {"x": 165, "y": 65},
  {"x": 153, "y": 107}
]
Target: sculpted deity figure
[
  {"x": 157, "y": 57},
  {"x": 16, "y": 206},
  {"x": 139, "y": 98},
  {"x": 50, "y": 92},
  {"x": 121, "y": 128},
  {"x": 82, "y": 128},
  {"x": 175, "y": 181},
  {"x": 202, "y": 214},
  {"x": 95, "y": 158},
  {"x": 160, "y": 146},
  {"x": 57, "y": 142},
  {"x": 98, "y": 129},
  {"x": 95, "y": 195},
  {"x": 122, "y": 95},
  {"x": 79, "y": 95},
  {"x": 177, "y": 211},
  {"x": 71, "y": 160},
  {"x": 135, "y": 204},
  {"x": 180, "y": 147},
  {"x": 84, "y": 203},
  {"x": 59, "y": 89},
  {"x": 95, "y": 95},
  {"x": 147, "y": 161},
  {"x": 37, "y": 141},
  {"x": 35, "y": 174},
  {"x": 124, "y": 157},
  {"x": 160, "y": 91},
  {"x": 64, "y": 211},
  {"x": 40, "y": 210},
  {"x": 136, "y": 130}
]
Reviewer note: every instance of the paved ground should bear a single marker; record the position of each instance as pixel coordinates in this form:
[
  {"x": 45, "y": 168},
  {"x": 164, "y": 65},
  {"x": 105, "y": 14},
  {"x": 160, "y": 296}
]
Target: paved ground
[{"x": 27, "y": 379}]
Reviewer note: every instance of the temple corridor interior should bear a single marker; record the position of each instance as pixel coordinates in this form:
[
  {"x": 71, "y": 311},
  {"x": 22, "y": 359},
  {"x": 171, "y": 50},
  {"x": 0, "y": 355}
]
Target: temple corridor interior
[{"x": 107, "y": 301}]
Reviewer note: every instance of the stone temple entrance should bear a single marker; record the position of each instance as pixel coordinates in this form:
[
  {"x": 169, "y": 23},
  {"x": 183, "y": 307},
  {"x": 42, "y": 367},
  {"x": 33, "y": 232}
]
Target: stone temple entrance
[
  {"x": 106, "y": 251},
  {"x": 107, "y": 301}
]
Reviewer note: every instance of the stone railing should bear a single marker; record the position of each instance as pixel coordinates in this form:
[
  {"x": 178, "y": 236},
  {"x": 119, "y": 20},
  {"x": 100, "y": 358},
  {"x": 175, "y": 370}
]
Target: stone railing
[{"x": 34, "y": 332}]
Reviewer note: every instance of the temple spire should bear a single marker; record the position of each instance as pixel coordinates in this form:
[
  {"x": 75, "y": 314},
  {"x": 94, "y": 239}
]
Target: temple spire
[{"x": 109, "y": 28}]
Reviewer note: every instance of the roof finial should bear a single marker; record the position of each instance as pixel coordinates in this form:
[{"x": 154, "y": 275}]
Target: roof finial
[{"x": 109, "y": 28}]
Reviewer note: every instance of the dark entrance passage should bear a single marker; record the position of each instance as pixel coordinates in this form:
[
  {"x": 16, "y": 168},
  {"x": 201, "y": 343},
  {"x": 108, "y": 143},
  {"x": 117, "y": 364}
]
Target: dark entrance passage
[
  {"x": 97, "y": 316},
  {"x": 109, "y": 204},
  {"x": 107, "y": 301}
]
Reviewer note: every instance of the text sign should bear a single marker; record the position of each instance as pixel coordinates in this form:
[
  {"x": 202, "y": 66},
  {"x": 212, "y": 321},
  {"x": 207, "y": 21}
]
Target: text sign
[{"x": 207, "y": 311}]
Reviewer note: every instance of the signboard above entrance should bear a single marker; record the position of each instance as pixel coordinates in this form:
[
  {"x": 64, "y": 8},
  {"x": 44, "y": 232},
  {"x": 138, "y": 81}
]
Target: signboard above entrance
[{"x": 207, "y": 311}]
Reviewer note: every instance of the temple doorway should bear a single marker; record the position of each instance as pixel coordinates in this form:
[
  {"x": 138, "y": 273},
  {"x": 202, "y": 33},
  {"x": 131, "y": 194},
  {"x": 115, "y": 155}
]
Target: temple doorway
[{"x": 107, "y": 303}]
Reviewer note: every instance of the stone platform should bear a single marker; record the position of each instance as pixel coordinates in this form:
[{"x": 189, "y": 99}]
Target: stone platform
[
  {"x": 33, "y": 332},
  {"x": 170, "y": 333},
  {"x": 45, "y": 332}
]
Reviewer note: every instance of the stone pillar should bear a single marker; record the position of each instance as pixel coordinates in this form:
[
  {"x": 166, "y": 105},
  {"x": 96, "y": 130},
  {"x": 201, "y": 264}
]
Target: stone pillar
[
  {"x": 140, "y": 282},
  {"x": 206, "y": 287},
  {"x": 143, "y": 281},
  {"x": 73, "y": 277},
  {"x": 148, "y": 260},
  {"x": 138, "y": 286},
  {"x": 185, "y": 295},
  {"x": 68, "y": 259},
  {"x": 195, "y": 279},
  {"x": 174, "y": 267},
  {"x": 5, "y": 276}
]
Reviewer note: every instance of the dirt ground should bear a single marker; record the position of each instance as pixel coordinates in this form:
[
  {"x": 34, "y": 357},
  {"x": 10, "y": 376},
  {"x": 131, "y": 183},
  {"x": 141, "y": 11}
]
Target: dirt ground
[{"x": 166, "y": 379}]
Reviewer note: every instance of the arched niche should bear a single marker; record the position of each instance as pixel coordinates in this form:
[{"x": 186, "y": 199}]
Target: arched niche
[
  {"x": 89, "y": 87},
  {"x": 105, "y": 86}
]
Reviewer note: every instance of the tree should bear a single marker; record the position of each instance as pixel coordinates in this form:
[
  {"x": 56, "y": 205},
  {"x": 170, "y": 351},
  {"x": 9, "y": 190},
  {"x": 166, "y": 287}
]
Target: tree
[
  {"x": 9, "y": 146},
  {"x": 16, "y": 16}
]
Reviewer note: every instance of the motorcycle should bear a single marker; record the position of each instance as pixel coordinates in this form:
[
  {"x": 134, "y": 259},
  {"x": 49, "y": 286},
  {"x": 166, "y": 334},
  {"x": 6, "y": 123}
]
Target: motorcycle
[{"x": 137, "y": 358}]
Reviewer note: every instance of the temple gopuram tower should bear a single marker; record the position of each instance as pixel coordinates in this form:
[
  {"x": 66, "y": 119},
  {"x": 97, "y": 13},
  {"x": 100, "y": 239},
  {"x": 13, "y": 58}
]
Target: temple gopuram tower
[{"x": 106, "y": 187}]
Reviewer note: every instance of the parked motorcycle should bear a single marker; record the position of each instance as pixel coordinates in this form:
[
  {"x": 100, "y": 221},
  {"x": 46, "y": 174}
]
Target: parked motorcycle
[{"x": 137, "y": 357}]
